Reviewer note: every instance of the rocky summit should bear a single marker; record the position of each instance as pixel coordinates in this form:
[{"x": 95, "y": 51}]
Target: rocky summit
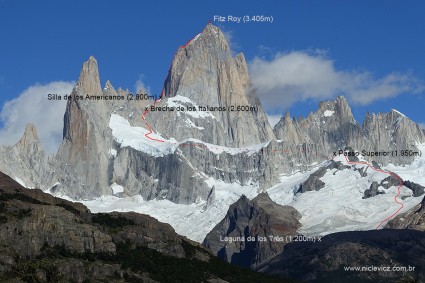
[{"x": 205, "y": 72}]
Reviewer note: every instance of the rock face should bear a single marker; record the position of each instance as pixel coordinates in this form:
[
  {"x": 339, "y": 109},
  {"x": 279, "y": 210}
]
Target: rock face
[
  {"x": 412, "y": 219},
  {"x": 48, "y": 239},
  {"x": 392, "y": 131},
  {"x": 34, "y": 219},
  {"x": 330, "y": 128},
  {"x": 313, "y": 183},
  {"x": 247, "y": 235},
  {"x": 325, "y": 260},
  {"x": 150, "y": 177},
  {"x": 27, "y": 160},
  {"x": 83, "y": 159}
]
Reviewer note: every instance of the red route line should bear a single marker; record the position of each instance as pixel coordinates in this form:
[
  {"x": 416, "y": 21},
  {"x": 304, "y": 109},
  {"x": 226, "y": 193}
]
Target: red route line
[
  {"x": 398, "y": 188},
  {"x": 160, "y": 97},
  {"x": 283, "y": 151}
]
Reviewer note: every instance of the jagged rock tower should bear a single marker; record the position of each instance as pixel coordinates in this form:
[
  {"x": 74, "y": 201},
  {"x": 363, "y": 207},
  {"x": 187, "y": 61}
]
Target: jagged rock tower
[{"x": 205, "y": 72}]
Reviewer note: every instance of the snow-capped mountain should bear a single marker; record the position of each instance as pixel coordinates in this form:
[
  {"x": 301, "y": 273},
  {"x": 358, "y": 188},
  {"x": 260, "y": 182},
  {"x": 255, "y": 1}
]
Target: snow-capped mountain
[{"x": 186, "y": 167}]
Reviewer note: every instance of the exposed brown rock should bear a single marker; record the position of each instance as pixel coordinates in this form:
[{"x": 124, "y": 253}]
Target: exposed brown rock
[{"x": 260, "y": 219}]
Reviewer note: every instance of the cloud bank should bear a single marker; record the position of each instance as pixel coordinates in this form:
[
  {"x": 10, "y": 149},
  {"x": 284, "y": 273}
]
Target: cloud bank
[
  {"x": 32, "y": 106},
  {"x": 298, "y": 76}
]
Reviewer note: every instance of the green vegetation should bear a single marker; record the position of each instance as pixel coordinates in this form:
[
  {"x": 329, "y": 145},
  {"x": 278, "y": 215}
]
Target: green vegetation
[
  {"x": 163, "y": 268},
  {"x": 44, "y": 270},
  {"x": 111, "y": 221},
  {"x": 2, "y": 207},
  {"x": 130, "y": 262},
  {"x": 18, "y": 213},
  {"x": 69, "y": 208},
  {"x": 3, "y": 219},
  {"x": 21, "y": 197},
  {"x": 169, "y": 269}
]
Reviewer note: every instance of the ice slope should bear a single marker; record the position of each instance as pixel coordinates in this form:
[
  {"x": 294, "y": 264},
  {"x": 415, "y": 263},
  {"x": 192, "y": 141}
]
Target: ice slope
[{"x": 192, "y": 221}]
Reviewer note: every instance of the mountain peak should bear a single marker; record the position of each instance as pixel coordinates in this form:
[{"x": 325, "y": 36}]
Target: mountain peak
[
  {"x": 30, "y": 134},
  {"x": 89, "y": 82},
  {"x": 212, "y": 29},
  {"x": 29, "y": 142},
  {"x": 263, "y": 198},
  {"x": 339, "y": 106},
  {"x": 339, "y": 101},
  {"x": 204, "y": 71},
  {"x": 211, "y": 39},
  {"x": 245, "y": 218}
]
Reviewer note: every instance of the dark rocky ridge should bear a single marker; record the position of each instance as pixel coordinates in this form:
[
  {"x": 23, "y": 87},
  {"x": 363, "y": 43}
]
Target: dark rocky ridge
[
  {"x": 48, "y": 239},
  {"x": 372, "y": 191},
  {"x": 313, "y": 183},
  {"x": 258, "y": 218},
  {"x": 324, "y": 261},
  {"x": 417, "y": 189}
]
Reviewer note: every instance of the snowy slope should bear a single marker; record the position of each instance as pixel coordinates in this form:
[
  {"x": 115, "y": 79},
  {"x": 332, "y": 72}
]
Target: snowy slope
[
  {"x": 135, "y": 137},
  {"x": 192, "y": 221},
  {"x": 339, "y": 205}
]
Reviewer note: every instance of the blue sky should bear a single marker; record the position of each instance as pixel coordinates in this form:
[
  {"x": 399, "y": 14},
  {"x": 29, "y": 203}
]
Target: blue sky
[{"x": 47, "y": 41}]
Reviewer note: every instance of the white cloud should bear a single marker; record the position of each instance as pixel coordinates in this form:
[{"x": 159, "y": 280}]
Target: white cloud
[
  {"x": 230, "y": 38},
  {"x": 32, "y": 106},
  {"x": 139, "y": 85},
  {"x": 299, "y": 76}
]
